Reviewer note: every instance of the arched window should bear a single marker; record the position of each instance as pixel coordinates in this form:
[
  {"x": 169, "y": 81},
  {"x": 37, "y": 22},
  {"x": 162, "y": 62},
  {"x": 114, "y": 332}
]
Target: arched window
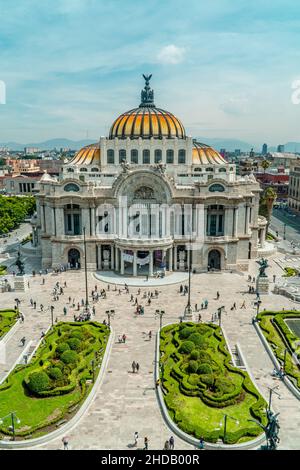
[
  {"x": 70, "y": 170},
  {"x": 134, "y": 156},
  {"x": 222, "y": 170},
  {"x": 83, "y": 169},
  {"x": 94, "y": 169},
  {"x": 157, "y": 156},
  {"x": 71, "y": 187},
  {"x": 146, "y": 156},
  {"x": 181, "y": 156},
  {"x": 110, "y": 157},
  {"x": 122, "y": 155},
  {"x": 170, "y": 156},
  {"x": 216, "y": 188}
]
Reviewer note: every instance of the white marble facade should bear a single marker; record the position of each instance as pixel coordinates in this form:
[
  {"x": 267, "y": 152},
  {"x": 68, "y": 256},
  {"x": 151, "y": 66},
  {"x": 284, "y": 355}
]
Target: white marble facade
[{"x": 150, "y": 199}]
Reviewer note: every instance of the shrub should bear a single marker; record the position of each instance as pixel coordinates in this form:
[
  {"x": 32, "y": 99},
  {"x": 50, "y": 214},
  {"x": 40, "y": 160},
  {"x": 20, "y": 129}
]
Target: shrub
[
  {"x": 204, "y": 369},
  {"x": 194, "y": 354},
  {"x": 192, "y": 367},
  {"x": 69, "y": 357},
  {"x": 77, "y": 334},
  {"x": 186, "y": 347},
  {"x": 186, "y": 332},
  {"x": 62, "y": 347},
  {"x": 198, "y": 340},
  {"x": 74, "y": 344},
  {"x": 55, "y": 373},
  {"x": 38, "y": 382}
]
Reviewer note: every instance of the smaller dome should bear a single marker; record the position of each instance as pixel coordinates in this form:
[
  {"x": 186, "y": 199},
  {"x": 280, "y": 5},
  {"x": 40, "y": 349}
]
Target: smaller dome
[
  {"x": 89, "y": 155},
  {"x": 203, "y": 154}
]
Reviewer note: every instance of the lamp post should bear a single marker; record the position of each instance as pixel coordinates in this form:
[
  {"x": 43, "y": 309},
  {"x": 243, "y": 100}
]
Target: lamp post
[
  {"x": 160, "y": 313},
  {"x": 93, "y": 369},
  {"x": 109, "y": 313},
  {"x": 225, "y": 424},
  {"x": 271, "y": 391},
  {"x": 284, "y": 359},
  {"x": 257, "y": 305},
  {"x": 51, "y": 310},
  {"x": 220, "y": 309},
  {"x": 85, "y": 273},
  {"x": 14, "y": 420},
  {"x": 284, "y": 231}
]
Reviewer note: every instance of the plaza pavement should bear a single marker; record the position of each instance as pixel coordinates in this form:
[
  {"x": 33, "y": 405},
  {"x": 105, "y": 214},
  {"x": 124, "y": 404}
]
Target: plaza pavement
[{"x": 126, "y": 402}]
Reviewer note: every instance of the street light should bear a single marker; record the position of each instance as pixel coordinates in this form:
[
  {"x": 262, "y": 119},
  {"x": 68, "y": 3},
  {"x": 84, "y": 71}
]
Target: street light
[
  {"x": 160, "y": 313},
  {"x": 85, "y": 273},
  {"x": 271, "y": 391},
  {"x": 109, "y": 313},
  {"x": 93, "y": 369},
  {"x": 14, "y": 419},
  {"x": 284, "y": 359},
  {"x": 220, "y": 309},
  {"x": 51, "y": 311},
  {"x": 257, "y": 305},
  {"x": 284, "y": 231},
  {"x": 225, "y": 424}
]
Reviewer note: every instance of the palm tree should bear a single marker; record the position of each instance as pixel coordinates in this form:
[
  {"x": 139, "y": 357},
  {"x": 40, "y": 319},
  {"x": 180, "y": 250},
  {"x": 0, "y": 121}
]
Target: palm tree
[
  {"x": 265, "y": 164},
  {"x": 268, "y": 200}
]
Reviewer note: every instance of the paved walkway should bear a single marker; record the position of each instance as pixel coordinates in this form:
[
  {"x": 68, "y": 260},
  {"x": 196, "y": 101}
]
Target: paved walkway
[
  {"x": 141, "y": 281},
  {"x": 126, "y": 402}
]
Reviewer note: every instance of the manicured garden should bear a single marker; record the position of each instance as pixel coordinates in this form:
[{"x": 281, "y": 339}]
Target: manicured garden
[
  {"x": 200, "y": 385},
  {"x": 7, "y": 319},
  {"x": 283, "y": 341},
  {"x": 50, "y": 389}
]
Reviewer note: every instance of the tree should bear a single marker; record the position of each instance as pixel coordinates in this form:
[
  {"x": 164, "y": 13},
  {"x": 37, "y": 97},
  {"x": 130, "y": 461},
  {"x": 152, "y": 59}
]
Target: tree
[
  {"x": 265, "y": 164},
  {"x": 266, "y": 204}
]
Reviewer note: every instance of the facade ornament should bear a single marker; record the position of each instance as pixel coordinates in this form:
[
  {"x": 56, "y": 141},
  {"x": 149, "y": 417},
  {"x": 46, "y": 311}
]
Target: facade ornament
[
  {"x": 147, "y": 95},
  {"x": 125, "y": 166},
  {"x": 144, "y": 192},
  {"x": 160, "y": 167}
]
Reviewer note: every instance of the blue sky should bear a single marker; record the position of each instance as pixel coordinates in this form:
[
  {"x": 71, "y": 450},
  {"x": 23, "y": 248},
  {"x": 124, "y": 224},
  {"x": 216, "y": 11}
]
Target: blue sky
[{"x": 224, "y": 67}]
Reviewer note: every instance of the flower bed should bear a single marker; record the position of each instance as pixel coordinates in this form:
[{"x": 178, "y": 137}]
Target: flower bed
[
  {"x": 282, "y": 340},
  {"x": 7, "y": 319},
  {"x": 201, "y": 385},
  {"x": 57, "y": 380}
]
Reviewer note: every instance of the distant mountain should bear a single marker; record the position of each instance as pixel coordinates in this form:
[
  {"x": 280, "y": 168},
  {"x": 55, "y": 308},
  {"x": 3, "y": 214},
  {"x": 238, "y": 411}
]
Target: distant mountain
[
  {"x": 228, "y": 144},
  {"x": 50, "y": 144}
]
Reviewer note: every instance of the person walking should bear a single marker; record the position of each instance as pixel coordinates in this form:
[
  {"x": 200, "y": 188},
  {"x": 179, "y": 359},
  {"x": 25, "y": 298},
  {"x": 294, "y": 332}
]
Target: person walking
[
  {"x": 274, "y": 278},
  {"x": 199, "y": 317},
  {"x": 150, "y": 334},
  {"x": 196, "y": 308},
  {"x": 146, "y": 443},
  {"x": 65, "y": 442},
  {"x": 133, "y": 365},
  {"x": 136, "y": 436},
  {"x": 171, "y": 443},
  {"x": 23, "y": 341},
  {"x": 65, "y": 311},
  {"x": 167, "y": 445},
  {"x": 243, "y": 304},
  {"x": 137, "y": 367},
  {"x": 34, "y": 305},
  {"x": 124, "y": 338}
]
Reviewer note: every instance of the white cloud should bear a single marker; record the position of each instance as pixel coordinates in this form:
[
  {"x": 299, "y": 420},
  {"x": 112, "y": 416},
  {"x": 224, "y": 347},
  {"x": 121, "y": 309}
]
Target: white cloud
[{"x": 171, "y": 54}]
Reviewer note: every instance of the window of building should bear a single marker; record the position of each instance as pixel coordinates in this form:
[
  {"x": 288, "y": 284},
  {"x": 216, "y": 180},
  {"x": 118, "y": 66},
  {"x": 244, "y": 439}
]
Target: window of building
[
  {"x": 122, "y": 155},
  {"x": 146, "y": 156},
  {"x": 170, "y": 156},
  {"x": 157, "y": 156},
  {"x": 216, "y": 188},
  {"x": 83, "y": 169},
  {"x": 71, "y": 187},
  {"x": 94, "y": 169},
  {"x": 134, "y": 156},
  {"x": 181, "y": 156},
  {"x": 110, "y": 157}
]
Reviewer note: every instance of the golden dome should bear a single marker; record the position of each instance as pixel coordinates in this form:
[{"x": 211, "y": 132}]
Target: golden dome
[
  {"x": 89, "y": 155},
  {"x": 147, "y": 121},
  {"x": 203, "y": 154}
]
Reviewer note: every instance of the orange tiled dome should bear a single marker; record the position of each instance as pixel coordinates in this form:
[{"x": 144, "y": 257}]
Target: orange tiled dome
[
  {"x": 203, "y": 154},
  {"x": 89, "y": 155}
]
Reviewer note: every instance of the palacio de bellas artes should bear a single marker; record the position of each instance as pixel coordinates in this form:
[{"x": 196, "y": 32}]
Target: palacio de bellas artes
[
  {"x": 149, "y": 231},
  {"x": 143, "y": 194}
]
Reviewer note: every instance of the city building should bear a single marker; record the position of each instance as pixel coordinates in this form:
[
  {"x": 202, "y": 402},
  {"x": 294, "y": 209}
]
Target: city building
[
  {"x": 140, "y": 196},
  {"x": 31, "y": 150},
  {"x": 280, "y": 148},
  {"x": 294, "y": 186},
  {"x": 278, "y": 179},
  {"x": 264, "y": 149}
]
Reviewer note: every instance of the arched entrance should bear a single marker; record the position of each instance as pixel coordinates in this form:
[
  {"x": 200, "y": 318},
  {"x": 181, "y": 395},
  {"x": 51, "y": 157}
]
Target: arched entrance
[
  {"x": 214, "y": 260},
  {"x": 74, "y": 258}
]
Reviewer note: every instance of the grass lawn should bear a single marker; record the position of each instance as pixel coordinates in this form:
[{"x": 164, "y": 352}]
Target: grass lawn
[
  {"x": 281, "y": 338},
  {"x": 201, "y": 386},
  {"x": 39, "y": 411},
  {"x": 7, "y": 319}
]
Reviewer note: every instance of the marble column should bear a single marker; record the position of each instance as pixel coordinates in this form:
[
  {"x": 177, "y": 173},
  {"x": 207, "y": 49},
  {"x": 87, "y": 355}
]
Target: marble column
[
  {"x": 175, "y": 258},
  {"x": 122, "y": 261},
  {"x": 134, "y": 263},
  {"x": 112, "y": 257},
  {"x": 117, "y": 259},
  {"x": 100, "y": 257},
  {"x": 170, "y": 259},
  {"x": 150, "y": 263}
]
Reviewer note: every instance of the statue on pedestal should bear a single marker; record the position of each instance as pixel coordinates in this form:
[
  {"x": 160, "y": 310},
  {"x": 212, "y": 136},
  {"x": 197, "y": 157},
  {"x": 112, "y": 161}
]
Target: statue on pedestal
[
  {"x": 263, "y": 265},
  {"x": 19, "y": 263}
]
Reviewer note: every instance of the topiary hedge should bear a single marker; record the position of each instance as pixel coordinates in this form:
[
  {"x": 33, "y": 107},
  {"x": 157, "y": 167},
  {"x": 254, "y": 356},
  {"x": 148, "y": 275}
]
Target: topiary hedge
[{"x": 38, "y": 382}]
